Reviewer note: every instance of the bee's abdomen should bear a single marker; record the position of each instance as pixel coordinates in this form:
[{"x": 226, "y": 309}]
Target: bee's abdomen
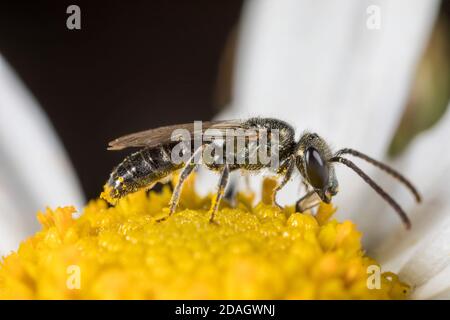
[{"x": 141, "y": 170}]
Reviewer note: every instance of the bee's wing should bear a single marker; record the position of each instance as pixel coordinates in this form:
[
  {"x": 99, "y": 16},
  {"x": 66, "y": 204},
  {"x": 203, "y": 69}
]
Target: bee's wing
[{"x": 162, "y": 135}]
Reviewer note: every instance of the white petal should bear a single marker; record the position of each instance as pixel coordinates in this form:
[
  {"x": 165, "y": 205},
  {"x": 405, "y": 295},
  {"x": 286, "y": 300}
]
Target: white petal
[
  {"x": 430, "y": 257},
  {"x": 34, "y": 169},
  {"x": 424, "y": 252},
  {"x": 438, "y": 287}
]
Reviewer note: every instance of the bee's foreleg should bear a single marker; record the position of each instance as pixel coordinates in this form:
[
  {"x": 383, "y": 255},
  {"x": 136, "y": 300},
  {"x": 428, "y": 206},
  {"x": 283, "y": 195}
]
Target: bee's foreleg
[
  {"x": 286, "y": 169},
  {"x": 308, "y": 201},
  {"x": 220, "y": 191},
  {"x": 185, "y": 172}
]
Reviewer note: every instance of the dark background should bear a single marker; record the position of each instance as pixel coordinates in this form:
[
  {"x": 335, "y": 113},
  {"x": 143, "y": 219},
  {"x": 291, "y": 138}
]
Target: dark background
[{"x": 132, "y": 66}]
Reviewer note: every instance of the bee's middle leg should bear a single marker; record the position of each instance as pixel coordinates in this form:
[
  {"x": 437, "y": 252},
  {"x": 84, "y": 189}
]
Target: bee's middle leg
[{"x": 220, "y": 191}]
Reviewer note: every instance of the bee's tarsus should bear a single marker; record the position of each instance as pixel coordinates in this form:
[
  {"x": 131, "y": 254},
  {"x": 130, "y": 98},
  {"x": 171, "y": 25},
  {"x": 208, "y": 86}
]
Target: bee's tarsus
[
  {"x": 162, "y": 219},
  {"x": 302, "y": 208},
  {"x": 277, "y": 204}
]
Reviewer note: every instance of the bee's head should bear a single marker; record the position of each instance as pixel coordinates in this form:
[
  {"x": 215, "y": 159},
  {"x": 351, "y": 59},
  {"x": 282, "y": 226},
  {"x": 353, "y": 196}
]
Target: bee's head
[{"x": 312, "y": 161}]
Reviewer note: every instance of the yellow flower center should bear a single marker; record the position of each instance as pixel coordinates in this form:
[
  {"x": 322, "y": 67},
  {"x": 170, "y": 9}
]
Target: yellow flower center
[{"x": 253, "y": 252}]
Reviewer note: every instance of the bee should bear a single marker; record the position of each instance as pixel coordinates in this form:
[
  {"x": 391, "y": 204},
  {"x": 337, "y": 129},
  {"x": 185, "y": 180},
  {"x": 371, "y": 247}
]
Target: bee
[{"x": 310, "y": 155}]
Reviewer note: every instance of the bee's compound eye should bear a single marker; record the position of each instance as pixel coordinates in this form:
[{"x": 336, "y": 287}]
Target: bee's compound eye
[{"x": 316, "y": 168}]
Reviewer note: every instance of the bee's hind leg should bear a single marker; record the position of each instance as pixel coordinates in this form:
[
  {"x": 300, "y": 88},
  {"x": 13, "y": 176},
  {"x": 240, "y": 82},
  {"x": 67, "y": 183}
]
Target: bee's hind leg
[
  {"x": 185, "y": 172},
  {"x": 220, "y": 191}
]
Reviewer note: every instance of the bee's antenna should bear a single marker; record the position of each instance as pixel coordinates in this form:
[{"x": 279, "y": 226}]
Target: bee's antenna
[
  {"x": 376, "y": 187},
  {"x": 383, "y": 167}
]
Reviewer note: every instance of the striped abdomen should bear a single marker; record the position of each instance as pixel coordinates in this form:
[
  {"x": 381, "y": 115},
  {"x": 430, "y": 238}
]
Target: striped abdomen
[{"x": 141, "y": 170}]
